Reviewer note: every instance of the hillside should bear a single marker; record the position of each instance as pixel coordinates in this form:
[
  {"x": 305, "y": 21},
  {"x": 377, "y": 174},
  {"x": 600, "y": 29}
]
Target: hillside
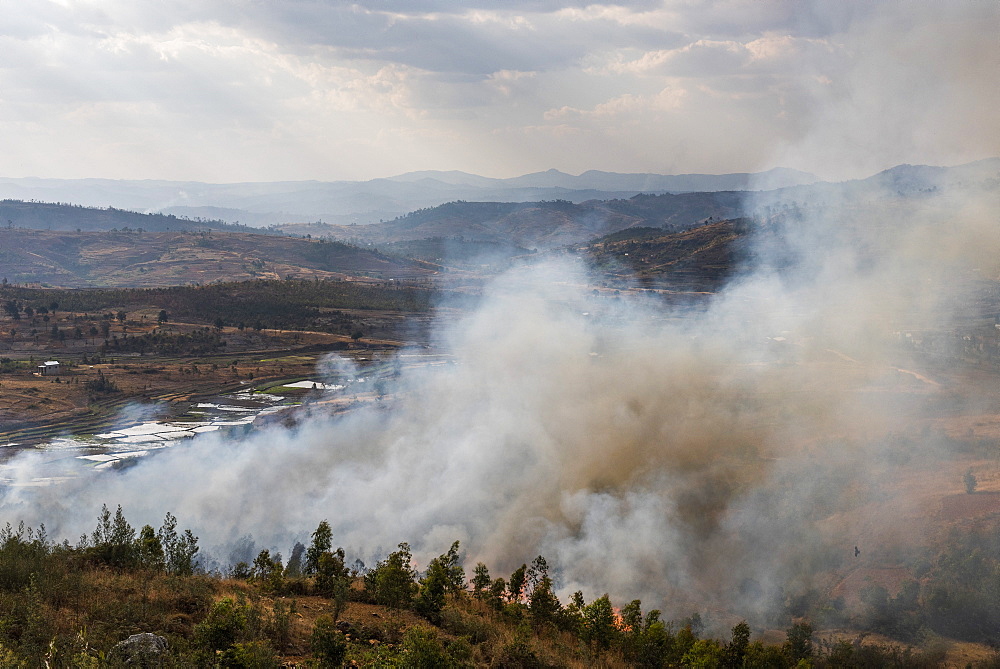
[
  {"x": 699, "y": 259},
  {"x": 548, "y": 224},
  {"x": 362, "y": 202},
  {"x": 554, "y": 223},
  {"x": 69, "y": 217},
  {"x": 133, "y": 258}
]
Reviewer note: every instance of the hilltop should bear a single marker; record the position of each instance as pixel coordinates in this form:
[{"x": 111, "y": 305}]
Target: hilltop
[
  {"x": 362, "y": 202},
  {"x": 548, "y": 224},
  {"x": 136, "y": 258},
  {"x": 73, "y": 217}
]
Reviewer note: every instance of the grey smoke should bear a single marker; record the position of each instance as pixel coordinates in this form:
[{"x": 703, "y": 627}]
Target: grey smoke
[{"x": 690, "y": 459}]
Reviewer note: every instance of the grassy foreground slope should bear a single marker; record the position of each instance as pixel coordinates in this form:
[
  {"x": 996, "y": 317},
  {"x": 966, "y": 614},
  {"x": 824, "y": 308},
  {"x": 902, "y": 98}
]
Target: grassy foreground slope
[{"x": 70, "y": 606}]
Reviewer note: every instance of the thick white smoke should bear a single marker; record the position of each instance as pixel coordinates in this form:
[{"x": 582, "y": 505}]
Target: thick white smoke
[
  {"x": 722, "y": 457},
  {"x": 692, "y": 459}
]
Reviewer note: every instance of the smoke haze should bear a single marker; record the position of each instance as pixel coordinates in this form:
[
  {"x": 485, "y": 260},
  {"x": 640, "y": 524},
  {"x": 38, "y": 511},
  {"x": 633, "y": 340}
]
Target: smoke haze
[
  {"x": 723, "y": 457},
  {"x": 703, "y": 458}
]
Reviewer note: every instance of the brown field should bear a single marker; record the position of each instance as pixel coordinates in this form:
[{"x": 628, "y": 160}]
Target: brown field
[{"x": 33, "y": 408}]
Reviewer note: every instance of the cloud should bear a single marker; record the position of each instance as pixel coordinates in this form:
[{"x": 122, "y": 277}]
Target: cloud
[{"x": 273, "y": 89}]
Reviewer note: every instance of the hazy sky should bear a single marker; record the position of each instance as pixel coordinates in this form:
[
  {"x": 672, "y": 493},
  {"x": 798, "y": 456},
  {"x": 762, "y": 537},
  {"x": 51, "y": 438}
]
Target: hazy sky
[{"x": 254, "y": 90}]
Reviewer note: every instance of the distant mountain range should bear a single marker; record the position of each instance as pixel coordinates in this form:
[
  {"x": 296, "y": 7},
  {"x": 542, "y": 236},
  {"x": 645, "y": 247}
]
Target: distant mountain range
[
  {"x": 72, "y": 245},
  {"x": 550, "y": 224},
  {"x": 360, "y": 202}
]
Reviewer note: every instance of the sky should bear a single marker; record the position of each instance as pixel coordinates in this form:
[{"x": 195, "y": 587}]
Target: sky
[{"x": 268, "y": 90}]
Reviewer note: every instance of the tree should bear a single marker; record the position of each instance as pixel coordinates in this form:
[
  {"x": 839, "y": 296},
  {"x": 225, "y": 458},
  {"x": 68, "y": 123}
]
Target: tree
[
  {"x": 970, "y": 482},
  {"x": 599, "y": 622},
  {"x": 327, "y": 643},
  {"x": 322, "y": 540},
  {"x": 430, "y": 600},
  {"x": 543, "y": 605},
  {"x": 515, "y": 585},
  {"x": 481, "y": 581},
  {"x": 162, "y": 316},
  {"x": 150, "y": 549},
  {"x": 452, "y": 563},
  {"x": 294, "y": 567},
  {"x": 268, "y": 571},
  {"x": 13, "y": 309},
  {"x": 392, "y": 582},
  {"x": 113, "y": 542},
  {"x": 178, "y": 549},
  {"x": 735, "y": 652},
  {"x": 798, "y": 642},
  {"x": 333, "y": 579},
  {"x": 498, "y": 590}
]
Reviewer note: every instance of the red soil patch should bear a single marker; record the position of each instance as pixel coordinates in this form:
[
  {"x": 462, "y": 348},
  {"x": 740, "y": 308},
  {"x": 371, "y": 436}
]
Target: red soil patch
[
  {"x": 976, "y": 505},
  {"x": 890, "y": 578}
]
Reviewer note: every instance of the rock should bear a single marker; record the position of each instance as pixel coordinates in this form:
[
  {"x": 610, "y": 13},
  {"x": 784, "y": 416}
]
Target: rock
[
  {"x": 345, "y": 627},
  {"x": 141, "y": 650}
]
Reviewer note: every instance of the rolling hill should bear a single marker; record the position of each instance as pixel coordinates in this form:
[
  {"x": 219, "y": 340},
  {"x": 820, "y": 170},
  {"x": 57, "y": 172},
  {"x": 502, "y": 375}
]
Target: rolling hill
[
  {"x": 361, "y": 202},
  {"x": 132, "y": 258}
]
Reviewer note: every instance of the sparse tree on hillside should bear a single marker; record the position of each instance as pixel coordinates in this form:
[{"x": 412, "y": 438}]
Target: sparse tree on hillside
[
  {"x": 515, "y": 585},
  {"x": 599, "y": 622},
  {"x": 150, "y": 548},
  {"x": 430, "y": 600},
  {"x": 178, "y": 549},
  {"x": 970, "y": 482},
  {"x": 333, "y": 579},
  {"x": 392, "y": 581},
  {"x": 481, "y": 581},
  {"x": 322, "y": 540}
]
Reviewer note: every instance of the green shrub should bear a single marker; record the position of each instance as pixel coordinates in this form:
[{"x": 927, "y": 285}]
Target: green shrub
[{"x": 328, "y": 645}]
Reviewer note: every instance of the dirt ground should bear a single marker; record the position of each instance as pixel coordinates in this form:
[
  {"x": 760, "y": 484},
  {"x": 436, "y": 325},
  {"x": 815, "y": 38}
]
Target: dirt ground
[{"x": 33, "y": 408}]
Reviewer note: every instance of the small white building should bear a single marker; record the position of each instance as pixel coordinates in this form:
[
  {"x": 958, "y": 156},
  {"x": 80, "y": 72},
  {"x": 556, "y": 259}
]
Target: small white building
[{"x": 49, "y": 368}]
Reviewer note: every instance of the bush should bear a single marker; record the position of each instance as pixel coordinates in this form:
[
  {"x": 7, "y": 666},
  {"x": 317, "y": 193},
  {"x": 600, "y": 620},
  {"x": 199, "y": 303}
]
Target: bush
[
  {"x": 250, "y": 655},
  {"x": 228, "y": 622},
  {"x": 423, "y": 650},
  {"x": 328, "y": 645}
]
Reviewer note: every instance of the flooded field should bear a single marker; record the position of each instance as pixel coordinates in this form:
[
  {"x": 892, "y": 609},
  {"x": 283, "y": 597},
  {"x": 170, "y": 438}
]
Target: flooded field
[{"x": 142, "y": 430}]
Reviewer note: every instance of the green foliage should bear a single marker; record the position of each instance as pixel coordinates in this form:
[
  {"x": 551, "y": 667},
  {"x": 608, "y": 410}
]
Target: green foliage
[
  {"x": 392, "y": 582},
  {"x": 515, "y": 585},
  {"x": 423, "y": 650},
  {"x": 599, "y": 622},
  {"x": 228, "y": 622},
  {"x": 322, "y": 540},
  {"x": 498, "y": 590},
  {"x": 268, "y": 572},
  {"x": 735, "y": 651},
  {"x": 520, "y": 652},
  {"x": 481, "y": 581},
  {"x": 102, "y": 385},
  {"x": 179, "y": 549},
  {"x": 798, "y": 642},
  {"x": 327, "y": 643},
  {"x": 256, "y": 654},
  {"x": 543, "y": 605},
  {"x": 113, "y": 542},
  {"x": 706, "y": 653},
  {"x": 452, "y": 563},
  {"x": 150, "y": 550},
  {"x": 430, "y": 599},
  {"x": 333, "y": 579}
]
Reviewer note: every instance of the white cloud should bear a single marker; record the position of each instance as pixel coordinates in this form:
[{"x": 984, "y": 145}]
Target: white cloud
[{"x": 278, "y": 90}]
